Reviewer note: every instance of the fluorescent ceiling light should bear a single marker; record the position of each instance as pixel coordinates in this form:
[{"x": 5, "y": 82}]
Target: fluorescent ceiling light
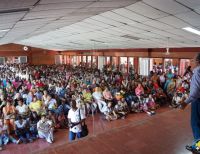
[
  {"x": 4, "y": 30},
  {"x": 192, "y": 30}
]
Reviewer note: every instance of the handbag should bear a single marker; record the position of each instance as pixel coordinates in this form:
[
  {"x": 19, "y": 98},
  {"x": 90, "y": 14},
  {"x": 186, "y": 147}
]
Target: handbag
[{"x": 84, "y": 129}]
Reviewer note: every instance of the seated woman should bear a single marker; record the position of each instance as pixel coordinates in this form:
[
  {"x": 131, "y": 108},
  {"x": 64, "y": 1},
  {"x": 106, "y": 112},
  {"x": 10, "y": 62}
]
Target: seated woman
[
  {"x": 107, "y": 95},
  {"x": 22, "y": 109},
  {"x": 36, "y": 106},
  {"x": 22, "y": 131},
  {"x": 88, "y": 101},
  {"x": 139, "y": 91},
  {"x": 45, "y": 129},
  {"x": 98, "y": 97},
  {"x": 9, "y": 115}
]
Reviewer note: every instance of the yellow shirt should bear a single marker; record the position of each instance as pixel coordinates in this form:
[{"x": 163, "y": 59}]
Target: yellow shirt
[
  {"x": 87, "y": 96},
  {"x": 35, "y": 106}
]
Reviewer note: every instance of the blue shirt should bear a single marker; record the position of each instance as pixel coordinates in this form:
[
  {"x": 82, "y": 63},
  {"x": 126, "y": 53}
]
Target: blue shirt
[{"x": 194, "y": 86}]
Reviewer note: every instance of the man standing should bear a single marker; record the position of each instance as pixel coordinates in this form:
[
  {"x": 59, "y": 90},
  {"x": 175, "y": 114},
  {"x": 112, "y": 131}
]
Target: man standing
[
  {"x": 75, "y": 118},
  {"x": 194, "y": 99}
]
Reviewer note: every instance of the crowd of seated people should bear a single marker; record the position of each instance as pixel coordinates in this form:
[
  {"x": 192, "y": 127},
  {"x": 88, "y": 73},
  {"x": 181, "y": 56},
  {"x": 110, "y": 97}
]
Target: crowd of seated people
[{"x": 35, "y": 100}]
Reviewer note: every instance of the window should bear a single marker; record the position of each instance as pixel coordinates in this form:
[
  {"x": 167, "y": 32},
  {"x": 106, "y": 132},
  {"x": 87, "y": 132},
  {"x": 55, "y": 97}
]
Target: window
[
  {"x": 101, "y": 61},
  {"x": 74, "y": 60},
  {"x": 114, "y": 63},
  {"x": 2, "y": 60},
  {"x": 184, "y": 63},
  {"x": 144, "y": 66},
  {"x": 156, "y": 64},
  {"x": 123, "y": 64},
  {"x": 84, "y": 59},
  {"x": 58, "y": 59},
  {"x": 78, "y": 60},
  {"x": 89, "y": 60},
  {"x": 171, "y": 64},
  {"x": 23, "y": 59},
  {"x": 94, "y": 61},
  {"x": 131, "y": 64}
]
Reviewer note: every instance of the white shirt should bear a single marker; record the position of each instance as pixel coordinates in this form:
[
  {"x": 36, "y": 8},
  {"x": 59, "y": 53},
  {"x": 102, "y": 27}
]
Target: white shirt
[
  {"x": 162, "y": 78},
  {"x": 177, "y": 99},
  {"x": 76, "y": 116},
  {"x": 24, "y": 96},
  {"x": 22, "y": 109},
  {"x": 51, "y": 104},
  {"x": 20, "y": 125},
  {"x": 97, "y": 95},
  {"x": 149, "y": 100},
  {"x": 44, "y": 125}
]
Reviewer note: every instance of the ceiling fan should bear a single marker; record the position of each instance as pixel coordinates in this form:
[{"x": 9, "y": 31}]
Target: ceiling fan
[{"x": 167, "y": 52}]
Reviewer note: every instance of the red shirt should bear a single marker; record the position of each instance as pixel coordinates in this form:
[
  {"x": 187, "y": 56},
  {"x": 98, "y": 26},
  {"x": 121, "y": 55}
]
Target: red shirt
[{"x": 39, "y": 84}]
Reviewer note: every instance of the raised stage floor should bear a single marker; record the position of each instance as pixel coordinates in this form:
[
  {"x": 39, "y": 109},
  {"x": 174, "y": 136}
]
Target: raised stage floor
[{"x": 165, "y": 133}]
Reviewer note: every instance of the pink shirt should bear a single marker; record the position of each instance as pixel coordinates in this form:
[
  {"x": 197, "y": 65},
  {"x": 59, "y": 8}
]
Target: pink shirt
[
  {"x": 107, "y": 95},
  {"x": 139, "y": 91}
]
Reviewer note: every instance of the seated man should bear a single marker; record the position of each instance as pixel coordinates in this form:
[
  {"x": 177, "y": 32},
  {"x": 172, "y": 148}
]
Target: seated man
[
  {"x": 22, "y": 109},
  {"x": 51, "y": 103},
  {"x": 9, "y": 116},
  {"x": 45, "y": 129},
  {"x": 22, "y": 131}
]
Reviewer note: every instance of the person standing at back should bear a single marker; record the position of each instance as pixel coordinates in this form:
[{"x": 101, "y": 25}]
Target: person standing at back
[{"x": 194, "y": 99}]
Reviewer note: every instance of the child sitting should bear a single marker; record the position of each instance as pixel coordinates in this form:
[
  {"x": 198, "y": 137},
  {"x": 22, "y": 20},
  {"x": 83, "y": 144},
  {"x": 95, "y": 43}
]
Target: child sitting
[
  {"x": 110, "y": 114},
  {"x": 176, "y": 100},
  {"x": 121, "y": 108},
  {"x": 144, "y": 107},
  {"x": 5, "y": 138},
  {"x": 151, "y": 103},
  {"x": 45, "y": 129},
  {"x": 135, "y": 104}
]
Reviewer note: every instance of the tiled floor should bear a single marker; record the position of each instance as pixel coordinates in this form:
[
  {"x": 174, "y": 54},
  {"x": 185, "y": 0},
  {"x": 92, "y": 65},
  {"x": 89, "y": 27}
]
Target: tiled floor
[{"x": 165, "y": 133}]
